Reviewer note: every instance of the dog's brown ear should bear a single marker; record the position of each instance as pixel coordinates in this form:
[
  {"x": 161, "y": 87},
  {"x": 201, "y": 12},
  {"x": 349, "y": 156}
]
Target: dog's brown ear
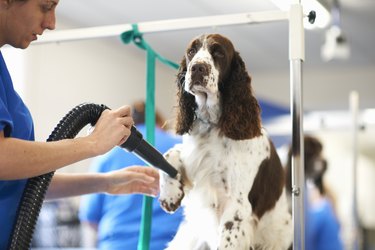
[
  {"x": 240, "y": 117},
  {"x": 186, "y": 102}
]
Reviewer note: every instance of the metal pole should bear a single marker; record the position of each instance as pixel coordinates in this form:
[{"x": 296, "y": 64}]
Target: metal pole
[
  {"x": 298, "y": 173},
  {"x": 296, "y": 50},
  {"x": 354, "y": 108}
]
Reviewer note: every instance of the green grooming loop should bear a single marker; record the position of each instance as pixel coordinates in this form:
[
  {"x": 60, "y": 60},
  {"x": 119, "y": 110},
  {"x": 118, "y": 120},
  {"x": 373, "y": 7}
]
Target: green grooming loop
[{"x": 137, "y": 38}]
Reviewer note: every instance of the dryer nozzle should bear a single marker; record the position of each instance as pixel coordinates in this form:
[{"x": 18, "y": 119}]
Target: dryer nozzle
[{"x": 146, "y": 152}]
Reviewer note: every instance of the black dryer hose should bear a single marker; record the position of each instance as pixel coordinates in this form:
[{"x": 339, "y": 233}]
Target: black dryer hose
[{"x": 36, "y": 187}]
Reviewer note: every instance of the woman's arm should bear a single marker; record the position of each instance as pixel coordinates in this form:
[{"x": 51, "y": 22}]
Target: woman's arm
[
  {"x": 24, "y": 159},
  {"x": 129, "y": 180}
]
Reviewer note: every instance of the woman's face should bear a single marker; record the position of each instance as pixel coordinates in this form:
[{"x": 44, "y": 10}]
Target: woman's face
[{"x": 25, "y": 20}]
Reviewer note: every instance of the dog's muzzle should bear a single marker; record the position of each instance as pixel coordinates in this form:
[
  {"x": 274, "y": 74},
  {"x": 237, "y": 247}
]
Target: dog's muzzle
[{"x": 199, "y": 74}]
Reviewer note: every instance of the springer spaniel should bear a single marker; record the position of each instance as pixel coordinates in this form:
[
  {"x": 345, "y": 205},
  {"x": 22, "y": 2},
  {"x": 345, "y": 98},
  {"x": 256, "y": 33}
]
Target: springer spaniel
[{"x": 231, "y": 181}]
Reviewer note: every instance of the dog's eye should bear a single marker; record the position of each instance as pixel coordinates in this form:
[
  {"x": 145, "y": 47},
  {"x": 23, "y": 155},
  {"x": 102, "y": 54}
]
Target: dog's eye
[
  {"x": 192, "y": 51},
  {"x": 218, "y": 54}
]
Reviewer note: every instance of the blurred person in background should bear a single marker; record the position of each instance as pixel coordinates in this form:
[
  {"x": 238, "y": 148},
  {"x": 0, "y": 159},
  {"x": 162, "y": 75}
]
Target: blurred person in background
[
  {"x": 322, "y": 228},
  {"x": 116, "y": 220}
]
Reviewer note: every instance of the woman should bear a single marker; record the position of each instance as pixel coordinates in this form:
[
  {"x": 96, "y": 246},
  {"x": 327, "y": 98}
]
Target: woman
[{"x": 21, "y": 21}]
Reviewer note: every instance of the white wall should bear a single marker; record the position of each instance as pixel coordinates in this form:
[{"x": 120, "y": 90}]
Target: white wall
[
  {"x": 320, "y": 88},
  {"x": 14, "y": 59}
]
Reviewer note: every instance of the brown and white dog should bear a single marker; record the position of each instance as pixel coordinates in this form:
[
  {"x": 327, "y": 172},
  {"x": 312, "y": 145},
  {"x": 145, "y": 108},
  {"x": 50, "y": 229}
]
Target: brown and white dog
[{"x": 230, "y": 181}]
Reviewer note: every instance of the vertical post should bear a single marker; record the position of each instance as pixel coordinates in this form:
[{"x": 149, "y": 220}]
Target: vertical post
[
  {"x": 146, "y": 220},
  {"x": 354, "y": 108},
  {"x": 296, "y": 56}
]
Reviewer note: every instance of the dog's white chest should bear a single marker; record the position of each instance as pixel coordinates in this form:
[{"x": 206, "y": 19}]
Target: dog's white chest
[{"x": 216, "y": 165}]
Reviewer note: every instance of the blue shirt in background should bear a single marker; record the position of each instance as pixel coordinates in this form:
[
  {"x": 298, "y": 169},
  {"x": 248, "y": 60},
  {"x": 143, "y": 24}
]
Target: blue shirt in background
[
  {"x": 16, "y": 122},
  {"x": 322, "y": 227},
  {"x": 119, "y": 217}
]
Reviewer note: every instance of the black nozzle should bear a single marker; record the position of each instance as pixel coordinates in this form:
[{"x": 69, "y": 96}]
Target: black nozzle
[{"x": 146, "y": 152}]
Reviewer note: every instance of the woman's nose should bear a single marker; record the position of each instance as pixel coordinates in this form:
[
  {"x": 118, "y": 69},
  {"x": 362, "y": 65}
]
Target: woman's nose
[{"x": 49, "y": 21}]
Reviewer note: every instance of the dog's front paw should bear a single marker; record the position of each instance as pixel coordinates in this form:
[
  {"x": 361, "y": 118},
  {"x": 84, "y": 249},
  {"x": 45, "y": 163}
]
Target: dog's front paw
[{"x": 171, "y": 193}]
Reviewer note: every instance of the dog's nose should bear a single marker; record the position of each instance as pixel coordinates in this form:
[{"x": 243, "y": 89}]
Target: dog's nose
[
  {"x": 199, "y": 68},
  {"x": 199, "y": 71}
]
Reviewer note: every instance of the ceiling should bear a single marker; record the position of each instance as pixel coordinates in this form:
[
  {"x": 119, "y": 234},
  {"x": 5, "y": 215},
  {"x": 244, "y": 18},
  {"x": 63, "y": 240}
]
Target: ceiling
[{"x": 263, "y": 47}]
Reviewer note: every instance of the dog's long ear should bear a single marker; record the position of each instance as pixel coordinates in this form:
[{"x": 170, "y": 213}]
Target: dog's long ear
[
  {"x": 186, "y": 102},
  {"x": 240, "y": 117}
]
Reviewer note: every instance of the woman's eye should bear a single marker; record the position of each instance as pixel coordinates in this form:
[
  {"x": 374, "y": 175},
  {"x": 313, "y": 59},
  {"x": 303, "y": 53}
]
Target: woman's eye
[{"x": 48, "y": 6}]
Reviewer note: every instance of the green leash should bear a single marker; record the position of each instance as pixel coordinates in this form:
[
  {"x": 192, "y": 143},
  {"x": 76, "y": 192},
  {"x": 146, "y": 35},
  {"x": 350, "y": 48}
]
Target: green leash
[{"x": 137, "y": 38}]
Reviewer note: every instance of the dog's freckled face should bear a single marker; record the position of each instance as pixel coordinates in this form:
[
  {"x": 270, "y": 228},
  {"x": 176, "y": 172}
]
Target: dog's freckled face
[
  {"x": 230, "y": 182},
  {"x": 208, "y": 61}
]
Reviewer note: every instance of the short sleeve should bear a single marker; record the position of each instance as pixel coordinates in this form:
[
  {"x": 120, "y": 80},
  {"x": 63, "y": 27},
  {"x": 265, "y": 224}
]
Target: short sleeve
[{"x": 6, "y": 123}]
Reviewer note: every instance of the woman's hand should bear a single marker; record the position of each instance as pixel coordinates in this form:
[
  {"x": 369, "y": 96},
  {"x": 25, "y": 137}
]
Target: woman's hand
[
  {"x": 112, "y": 129},
  {"x": 128, "y": 180},
  {"x": 134, "y": 179}
]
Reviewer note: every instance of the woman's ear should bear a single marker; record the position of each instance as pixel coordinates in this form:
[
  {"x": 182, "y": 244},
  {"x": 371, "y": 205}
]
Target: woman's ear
[{"x": 5, "y": 4}]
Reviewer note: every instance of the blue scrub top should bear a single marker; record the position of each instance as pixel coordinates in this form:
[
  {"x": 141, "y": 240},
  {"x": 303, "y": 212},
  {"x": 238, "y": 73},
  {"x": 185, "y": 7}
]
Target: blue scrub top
[
  {"x": 119, "y": 217},
  {"x": 16, "y": 122},
  {"x": 322, "y": 227}
]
